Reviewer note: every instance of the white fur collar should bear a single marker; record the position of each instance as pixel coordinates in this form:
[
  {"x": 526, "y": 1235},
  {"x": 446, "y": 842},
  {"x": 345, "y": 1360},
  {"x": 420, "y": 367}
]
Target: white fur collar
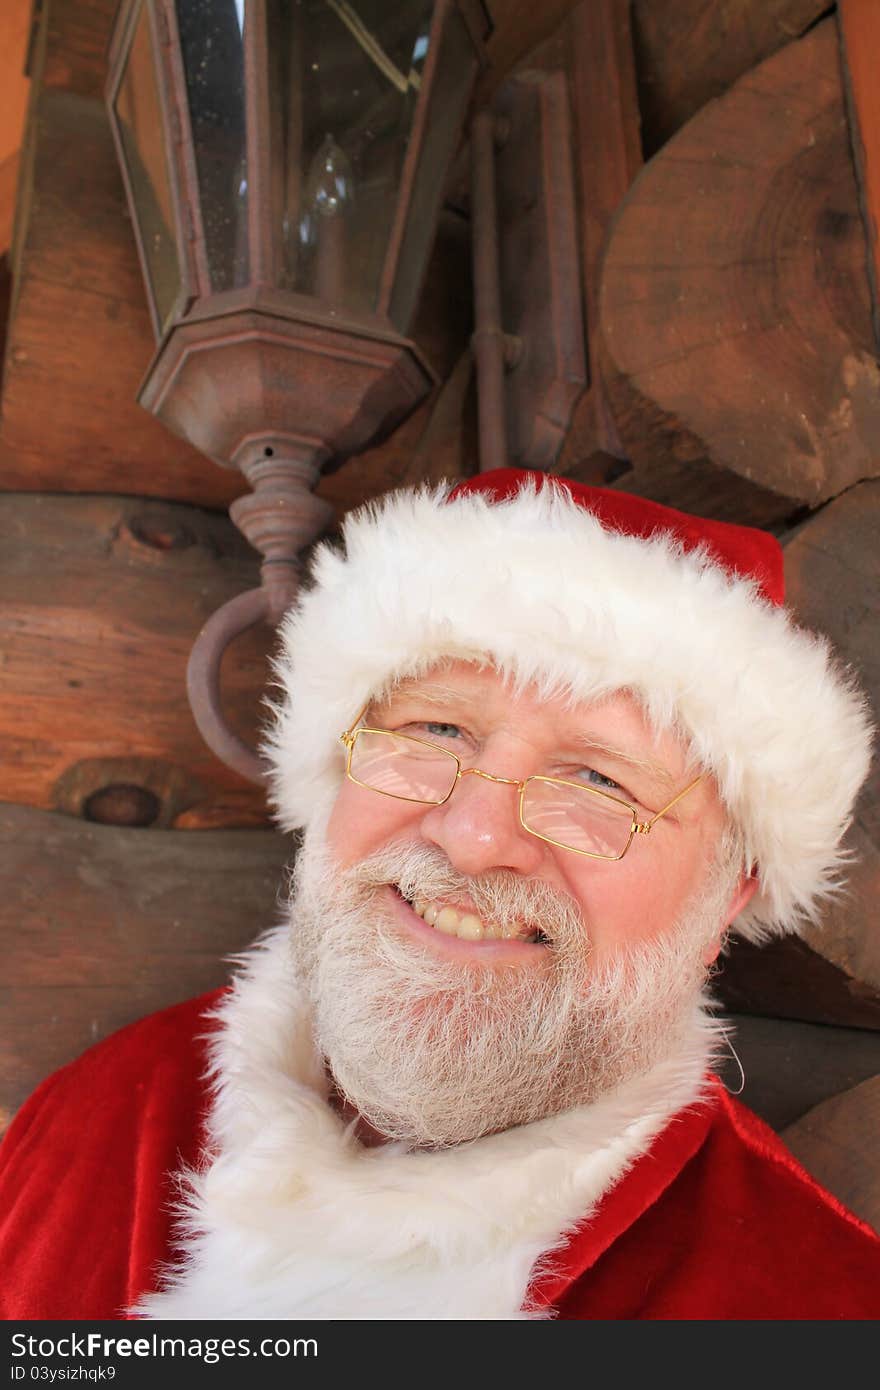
[{"x": 295, "y": 1219}]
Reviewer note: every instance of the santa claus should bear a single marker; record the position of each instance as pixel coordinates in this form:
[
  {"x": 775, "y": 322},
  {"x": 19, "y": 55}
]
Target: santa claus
[{"x": 547, "y": 744}]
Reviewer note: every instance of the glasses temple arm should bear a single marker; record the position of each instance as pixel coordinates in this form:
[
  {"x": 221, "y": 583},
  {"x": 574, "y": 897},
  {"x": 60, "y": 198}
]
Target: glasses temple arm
[{"x": 645, "y": 826}]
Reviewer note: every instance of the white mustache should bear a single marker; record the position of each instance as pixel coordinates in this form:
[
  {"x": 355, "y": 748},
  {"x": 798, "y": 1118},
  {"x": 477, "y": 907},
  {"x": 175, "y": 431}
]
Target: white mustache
[{"x": 501, "y": 896}]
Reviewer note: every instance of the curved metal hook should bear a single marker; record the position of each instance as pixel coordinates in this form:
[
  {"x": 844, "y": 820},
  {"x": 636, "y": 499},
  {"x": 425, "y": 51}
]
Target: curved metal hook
[{"x": 203, "y": 680}]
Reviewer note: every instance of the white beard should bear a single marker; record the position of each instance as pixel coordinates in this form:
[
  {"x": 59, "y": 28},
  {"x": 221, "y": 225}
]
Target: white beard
[{"x": 435, "y": 1053}]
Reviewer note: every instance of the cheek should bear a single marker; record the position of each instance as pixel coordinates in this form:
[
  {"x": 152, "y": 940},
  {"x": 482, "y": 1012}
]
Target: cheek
[
  {"x": 362, "y": 821},
  {"x": 632, "y": 899}
]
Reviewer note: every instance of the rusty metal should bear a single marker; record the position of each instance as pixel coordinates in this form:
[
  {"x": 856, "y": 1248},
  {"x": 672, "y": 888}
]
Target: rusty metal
[
  {"x": 280, "y": 517},
  {"x": 539, "y": 264},
  {"x": 488, "y": 336},
  {"x": 260, "y": 378},
  {"x": 263, "y": 270},
  {"x": 413, "y": 150},
  {"x": 421, "y": 191},
  {"x": 119, "y": 50},
  {"x": 185, "y": 186},
  {"x": 203, "y": 680}
]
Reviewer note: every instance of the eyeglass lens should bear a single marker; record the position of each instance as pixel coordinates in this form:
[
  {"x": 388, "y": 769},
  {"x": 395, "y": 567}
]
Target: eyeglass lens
[
  {"x": 400, "y": 766},
  {"x": 578, "y": 818}
]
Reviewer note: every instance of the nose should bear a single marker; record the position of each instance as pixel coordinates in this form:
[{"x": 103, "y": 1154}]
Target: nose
[{"x": 478, "y": 828}]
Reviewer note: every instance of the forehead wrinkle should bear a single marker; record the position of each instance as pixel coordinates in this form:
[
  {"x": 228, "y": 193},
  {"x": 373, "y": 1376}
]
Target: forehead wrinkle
[{"x": 433, "y": 693}]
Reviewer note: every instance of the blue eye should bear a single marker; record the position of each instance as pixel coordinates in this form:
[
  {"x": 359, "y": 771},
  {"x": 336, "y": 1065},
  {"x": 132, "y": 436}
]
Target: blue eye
[
  {"x": 598, "y": 779},
  {"x": 436, "y": 730}
]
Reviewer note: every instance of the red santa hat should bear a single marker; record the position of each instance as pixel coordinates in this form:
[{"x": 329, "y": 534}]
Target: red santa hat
[{"x": 588, "y": 591}]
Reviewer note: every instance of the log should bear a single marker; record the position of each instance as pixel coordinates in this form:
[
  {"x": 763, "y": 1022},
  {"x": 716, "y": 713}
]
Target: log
[
  {"x": 790, "y": 1067},
  {"x": 5, "y": 297},
  {"x": 832, "y": 570},
  {"x": 8, "y": 188},
  {"x": 101, "y": 925},
  {"x": 837, "y": 1142},
  {"x": 102, "y": 600},
  {"x": 690, "y": 51},
  {"x": 734, "y": 307},
  {"x": 791, "y": 978}
]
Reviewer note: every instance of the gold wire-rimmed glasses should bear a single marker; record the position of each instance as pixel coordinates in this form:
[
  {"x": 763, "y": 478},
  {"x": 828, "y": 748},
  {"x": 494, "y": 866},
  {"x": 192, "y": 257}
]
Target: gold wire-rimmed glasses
[{"x": 584, "y": 819}]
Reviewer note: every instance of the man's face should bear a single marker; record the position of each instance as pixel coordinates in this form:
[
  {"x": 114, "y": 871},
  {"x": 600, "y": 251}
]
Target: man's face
[
  {"x": 472, "y": 712},
  {"x": 438, "y": 1035}
]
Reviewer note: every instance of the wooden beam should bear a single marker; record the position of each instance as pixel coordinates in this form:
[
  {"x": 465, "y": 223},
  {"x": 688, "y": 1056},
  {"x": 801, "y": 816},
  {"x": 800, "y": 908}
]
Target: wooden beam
[
  {"x": 859, "y": 24},
  {"x": 837, "y": 1142},
  {"x": 790, "y": 978},
  {"x": 15, "y": 27},
  {"x": 832, "y": 569},
  {"x": 103, "y": 598},
  {"x": 790, "y": 1067},
  {"x": 101, "y": 925}
]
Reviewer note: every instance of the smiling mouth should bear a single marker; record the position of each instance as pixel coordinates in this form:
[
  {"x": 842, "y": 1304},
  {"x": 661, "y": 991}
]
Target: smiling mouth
[{"x": 465, "y": 925}]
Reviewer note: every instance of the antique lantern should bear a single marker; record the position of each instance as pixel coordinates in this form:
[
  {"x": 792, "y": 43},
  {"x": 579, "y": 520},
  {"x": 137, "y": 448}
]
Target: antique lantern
[{"x": 284, "y": 162}]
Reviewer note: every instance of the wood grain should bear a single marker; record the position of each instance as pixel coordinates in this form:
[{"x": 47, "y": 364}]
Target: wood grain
[
  {"x": 832, "y": 568},
  {"x": 79, "y": 336},
  {"x": 690, "y": 51},
  {"x": 837, "y": 1142},
  {"x": 100, "y": 925},
  {"x": 734, "y": 307},
  {"x": 102, "y": 600}
]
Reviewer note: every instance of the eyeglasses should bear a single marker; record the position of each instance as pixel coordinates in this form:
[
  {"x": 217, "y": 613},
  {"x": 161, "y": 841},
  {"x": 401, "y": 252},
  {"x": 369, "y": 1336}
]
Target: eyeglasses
[{"x": 568, "y": 814}]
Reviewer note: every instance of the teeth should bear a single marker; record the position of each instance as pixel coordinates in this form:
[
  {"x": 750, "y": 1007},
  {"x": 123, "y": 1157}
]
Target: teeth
[
  {"x": 446, "y": 921},
  {"x": 464, "y": 925},
  {"x": 470, "y": 927}
]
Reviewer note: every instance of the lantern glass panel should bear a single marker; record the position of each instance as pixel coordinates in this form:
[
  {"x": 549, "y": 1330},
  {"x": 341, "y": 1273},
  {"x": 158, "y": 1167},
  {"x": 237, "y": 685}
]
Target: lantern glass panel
[
  {"x": 139, "y": 120},
  {"x": 455, "y": 71},
  {"x": 345, "y": 77},
  {"x": 212, "y": 46}
]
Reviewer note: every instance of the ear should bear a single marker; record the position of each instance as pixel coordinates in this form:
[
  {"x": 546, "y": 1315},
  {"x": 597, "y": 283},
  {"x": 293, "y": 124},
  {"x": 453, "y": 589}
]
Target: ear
[{"x": 746, "y": 887}]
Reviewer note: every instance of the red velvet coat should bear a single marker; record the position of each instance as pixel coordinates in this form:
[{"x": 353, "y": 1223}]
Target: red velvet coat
[{"x": 717, "y": 1220}]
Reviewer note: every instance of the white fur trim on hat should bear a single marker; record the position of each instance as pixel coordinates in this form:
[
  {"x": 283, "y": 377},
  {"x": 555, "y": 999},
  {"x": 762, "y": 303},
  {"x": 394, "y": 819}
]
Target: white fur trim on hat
[{"x": 537, "y": 584}]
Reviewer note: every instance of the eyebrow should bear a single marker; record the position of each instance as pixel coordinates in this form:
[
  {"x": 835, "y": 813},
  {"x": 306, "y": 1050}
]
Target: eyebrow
[
  {"x": 429, "y": 694},
  {"x": 594, "y": 743},
  {"x": 435, "y": 693}
]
